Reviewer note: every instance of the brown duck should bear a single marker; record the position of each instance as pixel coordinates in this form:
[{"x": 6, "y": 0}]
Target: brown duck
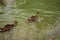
[
  {"x": 8, "y": 27},
  {"x": 33, "y": 18}
]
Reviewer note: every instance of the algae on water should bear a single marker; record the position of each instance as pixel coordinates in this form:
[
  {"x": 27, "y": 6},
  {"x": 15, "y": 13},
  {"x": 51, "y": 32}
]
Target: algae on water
[{"x": 46, "y": 27}]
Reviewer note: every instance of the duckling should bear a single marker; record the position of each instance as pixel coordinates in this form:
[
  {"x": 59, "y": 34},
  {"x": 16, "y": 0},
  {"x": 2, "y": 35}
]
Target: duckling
[
  {"x": 8, "y": 27},
  {"x": 33, "y": 18}
]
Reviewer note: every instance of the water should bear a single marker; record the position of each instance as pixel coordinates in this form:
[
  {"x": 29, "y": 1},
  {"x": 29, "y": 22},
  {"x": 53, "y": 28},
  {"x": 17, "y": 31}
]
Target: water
[{"x": 40, "y": 30}]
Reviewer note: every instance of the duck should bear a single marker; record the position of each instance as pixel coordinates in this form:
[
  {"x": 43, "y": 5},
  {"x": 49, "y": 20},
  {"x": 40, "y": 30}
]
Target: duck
[
  {"x": 33, "y": 18},
  {"x": 8, "y": 27}
]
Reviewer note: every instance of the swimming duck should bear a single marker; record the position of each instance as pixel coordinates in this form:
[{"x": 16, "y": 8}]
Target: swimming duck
[
  {"x": 8, "y": 27},
  {"x": 33, "y": 18}
]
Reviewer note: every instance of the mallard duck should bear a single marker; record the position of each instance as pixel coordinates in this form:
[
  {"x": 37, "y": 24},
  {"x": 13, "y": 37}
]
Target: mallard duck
[
  {"x": 8, "y": 27},
  {"x": 33, "y": 18}
]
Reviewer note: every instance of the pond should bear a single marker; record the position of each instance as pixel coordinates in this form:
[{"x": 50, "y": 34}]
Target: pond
[{"x": 46, "y": 26}]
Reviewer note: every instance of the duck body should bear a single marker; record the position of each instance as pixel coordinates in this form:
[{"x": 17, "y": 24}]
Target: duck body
[
  {"x": 7, "y": 27},
  {"x": 32, "y": 18}
]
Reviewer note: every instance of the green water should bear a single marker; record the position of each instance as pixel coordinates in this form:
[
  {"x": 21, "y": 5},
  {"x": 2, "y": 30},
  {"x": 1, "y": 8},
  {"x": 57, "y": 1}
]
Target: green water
[{"x": 49, "y": 15}]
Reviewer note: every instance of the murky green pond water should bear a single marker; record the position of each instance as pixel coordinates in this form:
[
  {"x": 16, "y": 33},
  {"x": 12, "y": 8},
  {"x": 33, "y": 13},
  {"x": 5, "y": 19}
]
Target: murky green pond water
[{"x": 43, "y": 29}]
